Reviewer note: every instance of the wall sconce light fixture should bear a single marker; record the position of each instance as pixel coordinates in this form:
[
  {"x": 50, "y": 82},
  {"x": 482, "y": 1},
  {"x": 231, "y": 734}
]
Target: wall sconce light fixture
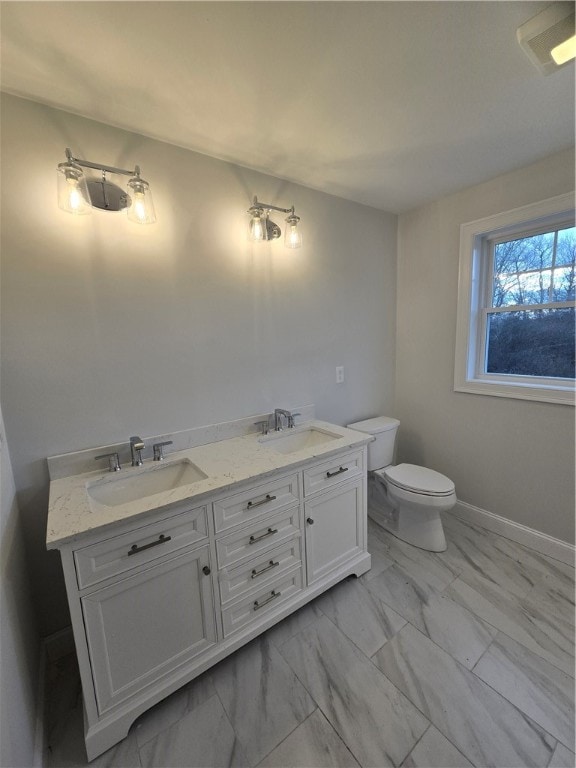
[
  {"x": 262, "y": 228},
  {"x": 78, "y": 195}
]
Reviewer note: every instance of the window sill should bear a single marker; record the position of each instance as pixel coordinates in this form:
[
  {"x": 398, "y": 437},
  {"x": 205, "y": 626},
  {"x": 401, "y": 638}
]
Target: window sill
[{"x": 563, "y": 395}]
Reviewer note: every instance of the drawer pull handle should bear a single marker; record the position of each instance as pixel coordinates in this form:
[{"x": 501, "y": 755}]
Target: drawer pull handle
[
  {"x": 310, "y": 521},
  {"x": 206, "y": 570},
  {"x": 134, "y": 549},
  {"x": 337, "y": 472},
  {"x": 273, "y": 596},
  {"x": 269, "y": 532},
  {"x": 252, "y": 504},
  {"x": 268, "y": 567}
]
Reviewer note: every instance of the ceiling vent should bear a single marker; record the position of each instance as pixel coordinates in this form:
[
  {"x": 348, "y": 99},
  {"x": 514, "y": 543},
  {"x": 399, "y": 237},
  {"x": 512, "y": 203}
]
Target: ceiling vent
[{"x": 541, "y": 34}]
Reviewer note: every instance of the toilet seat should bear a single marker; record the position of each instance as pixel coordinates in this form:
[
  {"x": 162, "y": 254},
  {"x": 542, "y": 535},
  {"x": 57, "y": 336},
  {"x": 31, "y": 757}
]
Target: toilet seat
[{"x": 415, "y": 479}]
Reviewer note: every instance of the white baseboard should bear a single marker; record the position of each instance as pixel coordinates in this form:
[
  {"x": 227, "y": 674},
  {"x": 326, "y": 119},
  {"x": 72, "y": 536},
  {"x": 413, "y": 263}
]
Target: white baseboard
[{"x": 529, "y": 537}]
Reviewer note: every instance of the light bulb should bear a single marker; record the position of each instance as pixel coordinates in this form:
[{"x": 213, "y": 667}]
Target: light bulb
[
  {"x": 256, "y": 230},
  {"x": 73, "y": 196},
  {"x": 141, "y": 208},
  {"x": 292, "y": 235}
]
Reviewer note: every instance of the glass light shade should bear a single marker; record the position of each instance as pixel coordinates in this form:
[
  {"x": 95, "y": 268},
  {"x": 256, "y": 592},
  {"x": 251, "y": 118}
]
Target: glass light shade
[
  {"x": 141, "y": 208},
  {"x": 257, "y": 230},
  {"x": 292, "y": 235},
  {"x": 73, "y": 195}
]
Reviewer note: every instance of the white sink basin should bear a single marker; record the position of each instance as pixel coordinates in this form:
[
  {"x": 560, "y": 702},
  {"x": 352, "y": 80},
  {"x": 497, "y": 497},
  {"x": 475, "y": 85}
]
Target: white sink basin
[
  {"x": 293, "y": 440},
  {"x": 135, "y": 485}
]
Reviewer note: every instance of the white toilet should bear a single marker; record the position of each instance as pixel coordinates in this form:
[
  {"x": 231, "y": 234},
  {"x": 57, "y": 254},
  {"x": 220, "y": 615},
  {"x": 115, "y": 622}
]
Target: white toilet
[{"x": 405, "y": 499}]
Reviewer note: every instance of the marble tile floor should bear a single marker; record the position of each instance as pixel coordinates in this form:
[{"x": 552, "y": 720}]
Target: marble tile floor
[{"x": 463, "y": 658}]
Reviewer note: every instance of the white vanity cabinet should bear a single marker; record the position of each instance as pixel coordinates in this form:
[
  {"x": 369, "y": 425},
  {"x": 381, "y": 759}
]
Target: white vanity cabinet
[
  {"x": 158, "y": 599},
  {"x": 335, "y": 514}
]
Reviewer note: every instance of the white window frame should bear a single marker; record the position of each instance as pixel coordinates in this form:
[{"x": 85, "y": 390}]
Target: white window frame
[{"x": 474, "y": 288}]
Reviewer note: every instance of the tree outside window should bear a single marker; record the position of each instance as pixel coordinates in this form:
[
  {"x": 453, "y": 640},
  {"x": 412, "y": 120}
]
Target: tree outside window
[{"x": 530, "y": 324}]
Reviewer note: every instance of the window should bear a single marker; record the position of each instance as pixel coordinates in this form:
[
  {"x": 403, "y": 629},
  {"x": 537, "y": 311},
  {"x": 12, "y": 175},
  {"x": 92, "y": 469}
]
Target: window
[{"x": 516, "y": 303}]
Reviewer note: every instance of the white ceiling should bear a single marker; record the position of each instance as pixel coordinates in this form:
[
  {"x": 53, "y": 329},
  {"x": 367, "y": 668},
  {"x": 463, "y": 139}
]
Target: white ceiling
[{"x": 390, "y": 104}]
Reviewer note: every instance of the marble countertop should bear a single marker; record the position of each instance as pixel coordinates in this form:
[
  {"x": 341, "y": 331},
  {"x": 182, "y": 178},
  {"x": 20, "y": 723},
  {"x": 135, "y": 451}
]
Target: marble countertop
[{"x": 72, "y": 513}]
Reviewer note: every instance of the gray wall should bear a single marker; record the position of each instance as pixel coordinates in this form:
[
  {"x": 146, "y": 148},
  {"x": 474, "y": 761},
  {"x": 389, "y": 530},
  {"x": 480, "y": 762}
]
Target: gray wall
[
  {"x": 19, "y": 641},
  {"x": 111, "y": 329},
  {"x": 511, "y": 457}
]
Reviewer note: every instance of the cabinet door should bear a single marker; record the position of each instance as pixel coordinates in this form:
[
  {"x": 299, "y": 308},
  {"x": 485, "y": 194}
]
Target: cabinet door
[
  {"x": 334, "y": 529},
  {"x": 141, "y": 628}
]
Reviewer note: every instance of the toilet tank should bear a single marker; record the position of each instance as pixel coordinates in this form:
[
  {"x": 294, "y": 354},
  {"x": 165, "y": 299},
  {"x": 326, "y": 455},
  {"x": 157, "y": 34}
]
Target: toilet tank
[{"x": 381, "y": 450}]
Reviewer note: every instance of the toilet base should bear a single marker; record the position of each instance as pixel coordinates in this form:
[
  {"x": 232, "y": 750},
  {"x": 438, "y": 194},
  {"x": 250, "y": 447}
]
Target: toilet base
[
  {"x": 426, "y": 533},
  {"x": 416, "y": 526}
]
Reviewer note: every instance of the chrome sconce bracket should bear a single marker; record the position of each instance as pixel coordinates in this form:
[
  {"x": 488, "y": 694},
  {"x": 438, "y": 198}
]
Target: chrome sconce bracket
[
  {"x": 78, "y": 194},
  {"x": 262, "y": 228}
]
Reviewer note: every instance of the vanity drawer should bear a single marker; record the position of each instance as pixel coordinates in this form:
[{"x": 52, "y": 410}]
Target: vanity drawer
[
  {"x": 265, "y": 534},
  {"x": 261, "y": 602},
  {"x": 329, "y": 473},
  {"x": 259, "y": 571},
  {"x": 142, "y": 545},
  {"x": 245, "y": 506}
]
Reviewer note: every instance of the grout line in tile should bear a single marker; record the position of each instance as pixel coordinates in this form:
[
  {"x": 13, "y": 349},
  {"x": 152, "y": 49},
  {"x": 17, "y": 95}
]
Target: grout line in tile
[
  {"x": 376, "y": 667},
  {"x": 157, "y": 735},
  {"x": 348, "y": 749},
  {"x": 286, "y": 737},
  {"x": 337, "y": 732},
  {"x": 501, "y": 631},
  {"x": 336, "y": 629},
  {"x": 442, "y": 734},
  {"x": 522, "y": 713},
  {"x": 318, "y": 709},
  {"x": 413, "y": 747},
  {"x": 490, "y": 644},
  {"x": 371, "y": 660},
  {"x": 441, "y": 591},
  {"x": 498, "y": 693},
  {"x": 349, "y": 638},
  {"x": 238, "y": 739}
]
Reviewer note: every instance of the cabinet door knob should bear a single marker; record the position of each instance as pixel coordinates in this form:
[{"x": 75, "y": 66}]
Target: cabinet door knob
[
  {"x": 206, "y": 570},
  {"x": 310, "y": 521}
]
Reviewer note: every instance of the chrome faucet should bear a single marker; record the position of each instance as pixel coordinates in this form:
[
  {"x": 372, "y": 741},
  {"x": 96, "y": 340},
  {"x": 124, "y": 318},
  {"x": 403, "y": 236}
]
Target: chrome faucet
[
  {"x": 136, "y": 448},
  {"x": 291, "y": 419},
  {"x": 113, "y": 461},
  {"x": 278, "y": 414},
  {"x": 158, "y": 449}
]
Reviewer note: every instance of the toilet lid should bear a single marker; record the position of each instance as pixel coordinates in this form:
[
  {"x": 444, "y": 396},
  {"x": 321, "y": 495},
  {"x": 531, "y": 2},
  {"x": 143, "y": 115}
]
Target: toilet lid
[{"x": 417, "y": 479}]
